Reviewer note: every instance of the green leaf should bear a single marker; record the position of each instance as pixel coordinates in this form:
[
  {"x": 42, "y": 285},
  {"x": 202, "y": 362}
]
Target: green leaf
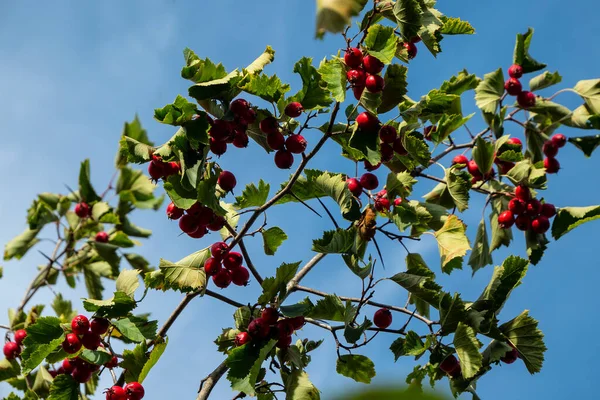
[
  {"x": 587, "y": 144},
  {"x": 504, "y": 280},
  {"x": 330, "y": 308},
  {"x": 339, "y": 241},
  {"x": 9, "y": 369},
  {"x": 117, "y": 306},
  {"x": 399, "y": 185},
  {"x": 452, "y": 311},
  {"x": 138, "y": 262},
  {"x": 358, "y": 367},
  {"x": 268, "y": 88},
  {"x": 408, "y": 17},
  {"x": 381, "y": 43},
  {"x": 244, "y": 364},
  {"x": 43, "y": 337},
  {"x": 299, "y": 387},
  {"x": 395, "y": 87},
  {"x": 302, "y": 308},
  {"x": 590, "y": 91},
  {"x": 128, "y": 329},
  {"x": 133, "y": 135},
  {"x": 178, "y": 113},
  {"x": 314, "y": 94},
  {"x": 411, "y": 345},
  {"x": 95, "y": 357},
  {"x": 133, "y": 362},
  {"x": 460, "y": 83},
  {"x": 272, "y": 239},
  {"x": 417, "y": 149},
  {"x": 489, "y": 91},
  {"x": 467, "y": 348},
  {"x": 448, "y": 124},
  {"x": 155, "y": 354},
  {"x": 334, "y": 15},
  {"x": 483, "y": 154},
  {"x": 366, "y": 144},
  {"x": 458, "y": 185},
  {"x": 333, "y": 73},
  {"x": 64, "y": 387},
  {"x": 521, "y": 54},
  {"x": 569, "y": 218},
  {"x": 352, "y": 334},
  {"x": 128, "y": 281},
  {"x": 187, "y": 274},
  {"x": 500, "y": 236},
  {"x": 19, "y": 245},
  {"x": 456, "y": 26},
  {"x": 420, "y": 285},
  {"x": 198, "y": 70},
  {"x": 524, "y": 334},
  {"x": 554, "y": 112},
  {"x": 481, "y": 255},
  {"x": 86, "y": 190},
  {"x": 371, "y": 101},
  {"x": 453, "y": 242},
  {"x": 544, "y": 80},
  {"x": 274, "y": 286}
]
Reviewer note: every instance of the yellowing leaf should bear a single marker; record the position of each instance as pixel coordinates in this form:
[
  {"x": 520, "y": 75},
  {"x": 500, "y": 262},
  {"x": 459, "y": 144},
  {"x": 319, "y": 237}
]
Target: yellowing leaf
[{"x": 452, "y": 241}]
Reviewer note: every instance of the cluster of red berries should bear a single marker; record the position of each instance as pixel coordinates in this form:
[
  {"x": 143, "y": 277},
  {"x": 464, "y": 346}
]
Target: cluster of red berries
[
  {"x": 513, "y": 87},
  {"x": 382, "y": 201},
  {"x": 13, "y": 349},
  {"x": 527, "y": 213},
  {"x": 284, "y": 148},
  {"x": 550, "y": 150},
  {"x": 472, "y": 168},
  {"x": 268, "y": 325},
  {"x": 391, "y": 143},
  {"x": 80, "y": 370},
  {"x": 364, "y": 72},
  {"x": 131, "y": 391},
  {"x": 159, "y": 169},
  {"x": 225, "y": 266},
  {"x": 223, "y": 132},
  {"x": 197, "y": 220},
  {"x": 451, "y": 365},
  {"x": 367, "y": 181},
  {"x": 382, "y": 318},
  {"x": 83, "y": 210}
]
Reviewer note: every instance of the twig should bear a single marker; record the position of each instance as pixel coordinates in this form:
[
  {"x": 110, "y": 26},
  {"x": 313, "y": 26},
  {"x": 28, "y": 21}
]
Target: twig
[
  {"x": 224, "y": 299},
  {"x": 305, "y": 204},
  {"x": 293, "y": 283},
  {"x": 207, "y": 384}
]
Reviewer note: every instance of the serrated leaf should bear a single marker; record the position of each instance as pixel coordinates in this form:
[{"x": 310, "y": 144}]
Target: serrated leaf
[
  {"x": 9, "y": 369},
  {"x": 589, "y": 90},
  {"x": 63, "y": 308},
  {"x": 333, "y": 73},
  {"x": 417, "y": 149},
  {"x": 367, "y": 145},
  {"x": 301, "y": 308},
  {"x": 456, "y": 26},
  {"x": 330, "y": 308},
  {"x": 274, "y": 286},
  {"x": 134, "y": 145},
  {"x": 314, "y": 94},
  {"x": 138, "y": 262},
  {"x": 569, "y": 218},
  {"x": 521, "y": 54},
  {"x": 371, "y": 101},
  {"x": 64, "y": 387},
  {"x": 20, "y": 244},
  {"x": 395, "y": 87},
  {"x": 117, "y": 306},
  {"x": 483, "y": 154},
  {"x": 447, "y": 125},
  {"x": 133, "y": 362},
  {"x": 524, "y": 334},
  {"x": 178, "y": 113},
  {"x": 128, "y": 329},
  {"x": 408, "y": 17},
  {"x": 333, "y": 16},
  {"x": 420, "y": 285},
  {"x": 504, "y": 280},
  {"x": 467, "y": 348},
  {"x": 458, "y": 186},
  {"x": 187, "y": 274},
  {"x": 272, "y": 239},
  {"x": 244, "y": 364},
  {"x": 489, "y": 91},
  {"x": 198, "y": 70},
  {"x": 500, "y": 236},
  {"x": 452, "y": 241},
  {"x": 95, "y": 357},
  {"x": 544, "y": 80},
  {"x": 86, "y": 190},
  {"x": 381, "y": 43},
  {"x": 460, "y": 83},
  {"x": 358, "y": 367},
  {"x": 452, "y": 311},
  {"x": 155, "y": 354},
  {"x": 587, "y": 144},
  {"x": 339, "y": 241},
  {"x": 399, "y": 185},
  {"x": 299, "y": 387},
  {"x": 481, "y": 255},
  {"x": 352, "y": 334},
  {"x": 411, "y": 345},
  {"x": 268, "y": 88},
  {"x": 128, "y": 281}
]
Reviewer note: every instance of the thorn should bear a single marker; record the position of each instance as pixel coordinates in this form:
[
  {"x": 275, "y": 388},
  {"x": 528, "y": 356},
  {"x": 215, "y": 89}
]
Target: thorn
[{"x": 304, "y": 203}]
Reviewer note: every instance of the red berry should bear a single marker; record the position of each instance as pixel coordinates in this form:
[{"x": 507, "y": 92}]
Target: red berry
[
  {"x": 220, "y": 131},
  {"x": 116, "y": 393},
  {"x": 20, "y": 335},
  {"x": 249, "y": 117},
  {"x": 11, "y": 350},
  {"x": 284, "y": 159},
  {"x": 82, "y": 210},
  {"x": 387, "y": 152},
  {"x": 91, "y": 340},
  {"x": 381, "y": 193},
  {"x": 204, "y": 215},
  {"x": 356, "y": 76},
  {"x": 298, "y": 322},
  {"x": 67, "y": 366},
  {"x": 239, "y": 107},
  {"x": 450, "y": 364},
  {"x": 172, "y": 168},
  {"x": 174, "y": 212},
  {"x": 550, "y": 150},
  {"x": 269, "y": 125},
  {"x": 398, "y": 147},
  {"x": 222, "y": 279},
  {"x": 217, "y": 223},
  {"x": 534, "y": 207},
  {"x": 515, "y": 71},
  {"x": 242, "y": 338},
  {"x": 226, "y": 181},
  {"x": 369, "y": 181},
  {"x": 382, "y": 318},
  {"x": 367, "y": 122},
  {"x": 188, "y": 223},
  {"x": 548, "y": 210},
  {"x": 397, "y": 201},
  {"x": 296, "y": 144},
  {"x": 99, "y": 326},
  {"x": 275, "y": 140},
  {"x": 506, "y": 219},
  {"x": 198, "y": 233},
  {"x": 285, "y": 327},
  {"x": 460, "y": 159},
  {"x": 473, "y": 168},
  {"x": 522, "y": 193},
  {"x": 218, "y": 250},
  {"x": 526, "y": 99},
  {"x": 240, "y": 140},
  {"x": 370, "y": 167},
  {"x": 374, "y": 83},
  {"x": 218, "y": 147},
  {"x": 415, "y": 39},
  {"x": 71, "y": 344},
  {"x": 232, "y": 260},
  {"x": 113, "y": 363},
  {"x": 513, "y": 86},
  {"x": 294, "y": 109},
  {"x": 353, "y": 57},
  {"x": 522, "y": 222},
  {"x": 388, "y": 134},
  {"x": 540, "y": 225},
  {"x": 354, "y": 186},
  {"x": 428, "y": 131},
  {"x": 212, "y": 266},
  {"x": 80, "y": 325},
  {"x": 504, "y": 166},
  {"x": 515, "y": 143},
  {"x": 510, "y": 357},
  {"x": 411, "y": 48},
  {"x": 240, "y": 276},
  {"x": 284, "y": 342},
  {"x": 81, "y": 375},
  {"x": 559, "y": 140},
  {"x": 135, "y": 391},
  {"x": 372, "y": 65},
  {"x": 102, "y": 237},
  {"x": 552, "y": 165},
  {"x": 259, "y": 328},
  {"x": 358, "y": 91},
  {"x": 517, "y": 206},
  {"x": 382, "y": 205},
  {"x": 270, "y": 315},
  {"x": 156, "y": 169}
]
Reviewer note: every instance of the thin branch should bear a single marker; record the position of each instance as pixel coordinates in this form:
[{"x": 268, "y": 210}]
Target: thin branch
[
  {"x": 293, "y": 283},
  {"x": 305, "y": 204},
  {"x": 207, "y": 384},
  {"x": 224, "y": 299}
]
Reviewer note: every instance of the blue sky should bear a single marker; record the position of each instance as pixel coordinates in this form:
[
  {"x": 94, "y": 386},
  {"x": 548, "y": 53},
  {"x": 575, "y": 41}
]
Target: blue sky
[{"x": 72, "y": 73}]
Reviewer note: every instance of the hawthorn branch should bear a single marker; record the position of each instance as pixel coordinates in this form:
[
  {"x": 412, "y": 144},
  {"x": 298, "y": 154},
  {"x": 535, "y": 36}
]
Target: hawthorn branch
[
  {"x": 293, "y": 283},
  {"x": 207, "y": 384}
]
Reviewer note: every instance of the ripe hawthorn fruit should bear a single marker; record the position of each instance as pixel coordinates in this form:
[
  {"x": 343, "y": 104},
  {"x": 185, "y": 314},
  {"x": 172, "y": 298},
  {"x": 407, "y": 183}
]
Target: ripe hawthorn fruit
[
  {"x": 226, "y": 181},
  {"x": 411, "y": 48},
  {"x": 354, "y": 186},
  {"x": 514, "y": 144},
  {"x": 382, "y": 204},
  {"x": 382, "y": 318},
  {"x": 218, "y": 250},
  {"x": 285, "y": 327},
  {"x": 217, "y": 223},
  {"x": 156, "y": 170},
  {"x": 296, "y": 144},
  {"x": 473, "y": 168},
  {"x": 298, "y": 322},
  {"x": 284, "y": 159},
  {"x": 240, "y": 276},
  {"x": 135, "y": 391},
  {"x": 515, "y": 71},
  {"x": 188, "y": 223},
  {"x": 239, "y": 107},
  {"x": 353, "y": 57},
  {"x": 11, "y": 350},
  {"x": 67, "y": 366},
  {"x": 550, "y": 150},
  {"x": 90, "y": 340},
  {"x": 388, "y": 134},
  {"x": 270, "y": 315},
  {"x": 174, "y": 212},
  {"x": 275, "y": 140},
  {"x": 451, "y": 366},
  {"x": 222, "y": 279},
  {"x": 506, "y": 219},
  {"x": 212, "y": 266},
  {"x": 358, "y": 90},
  {"x": 284, "y": 342},
  {"x": 398, "y": 147},
  {"x": 367, "y": 122},
  {"x": 71, "y": 344},
  {"x": 540, "y": 225},
  {"x": 534, "y": 207},
  {"x": 269, "y": 125},
  {"x": 510, "y": 357},
  {"x": 217, "y": 147},
  {"x": 552, "y": 165},
  {"x": 369, "y": 181},
  {"x": 113, "y": 363},
  {"x": 517, "y": 206},
  {"x": 548, "y": 210},
  {"x": 522, "y": 193},
  {"x": 460, "y": 159},
  {"x": 559, "y": 140},
  {"x": 82, "y": 210},
  {"x": 80, "y": 324},
  {"x": 101, "y": 237},
  {"x": 20, "y": 335},
  {"x": 240, "y": 140},
  {"x": 232, "y": 260},
  {"x": 81, "y": 375},
  {"x": 374, "y": 83},
  {"x": 258, "y": 328},
  {"x": 513, "y": 86},
  {"x": 242, "y": 338},
  {"x": 357, "y": 77},
  {"x": 372, "y": 65},
  {"x": 387, "y": 152},
  {"x": 99, "y": 326},
  {"x": 523, "y": 222},
  {"x": 526, "y": 99},
  {"x": 294, "y": 109},
  {"x": 116, "y": 393}
]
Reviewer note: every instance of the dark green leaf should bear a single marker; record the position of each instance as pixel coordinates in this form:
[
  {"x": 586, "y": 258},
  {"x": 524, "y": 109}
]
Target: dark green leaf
[
  {"x": 460, "y": 83},
  {"x": 452, "y": 311},
  {"x": 521, "y": 55},
  {"x": 408, "y": 17},
  {"x": 128, "y": 329},
  {"x": 524, "y": 334},
  {"x": 198, "y": 70},
  {"x": 244, "y": 364},
  {"x": 253, "y": 196},
  {"x": 9, "y": 369},
  {"x": 330, "y": 308},
  {"x": 274, "y": 286},
  {"x": 133, "y": 362},
  {"x": 481, "y": 255},
  {"x": 64, "y": 387},
  {"x": 95, "y": 357},
  {"x": 395, "y": 87},
  {"x": 358, "y": 367},
  {"x": 43, "y": 337},
  {"x": 19, "y": 245},
  {"x": 339, "y": 241},
  {"x": 367, "y": 145},
  {"x": 352, "y": 334},
  {"x": 178, "y": 113},
  {"x": 569, "y": 218},
  {"x": 86, "y": 190},
  {"x": 504, "y": 280},
  {"x": 302, "y": 308},
  {"x": 157, "y": 351},
  {"x": 314, "y": 93},
  {"x": 467, "y": 348},
  {"x": 489, "y": 91},
  {"x": 587, "y": 144},
  {"x": 117, "y": 306},
  {"x": 381, "y": 43},
  {"x": 299, "y": 387}
]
